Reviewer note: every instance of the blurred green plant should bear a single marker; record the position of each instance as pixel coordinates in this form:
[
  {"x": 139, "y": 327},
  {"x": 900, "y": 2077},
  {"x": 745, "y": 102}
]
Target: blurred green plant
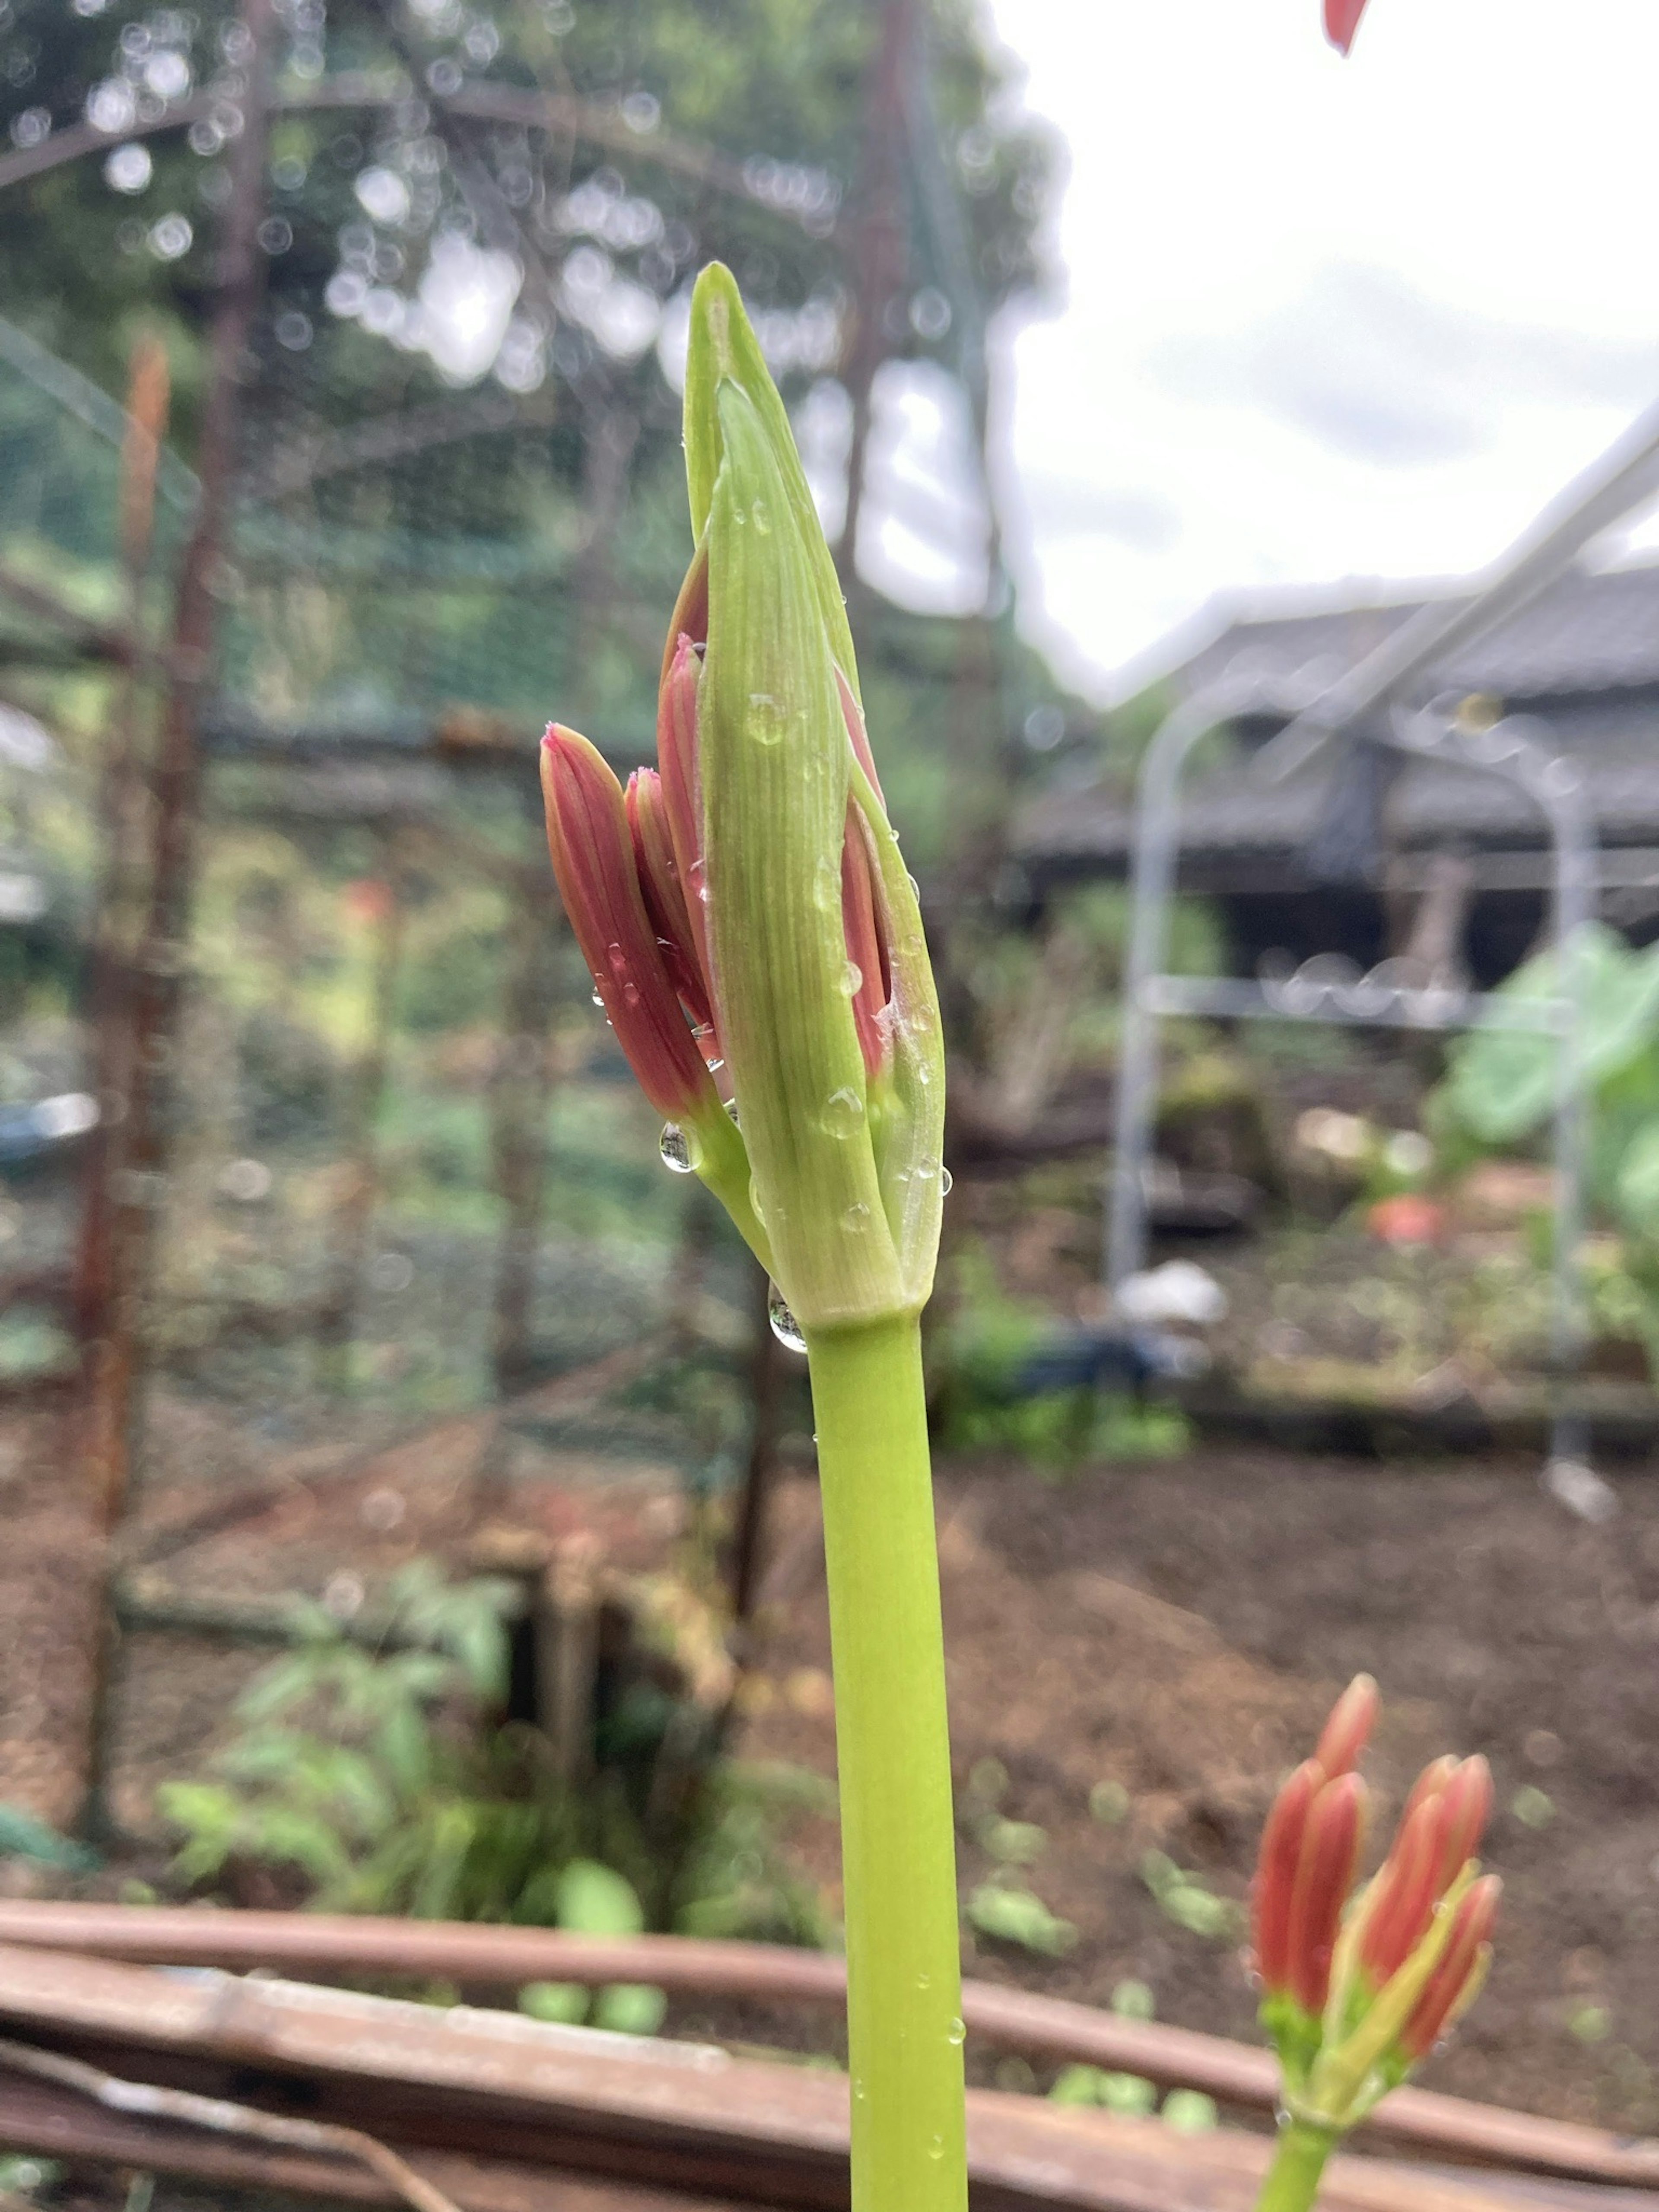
[
  {"x": 386, "y": 1781},
  {"x": 977, "y": 1355},
  {"x": 1499, "y": 1095}
]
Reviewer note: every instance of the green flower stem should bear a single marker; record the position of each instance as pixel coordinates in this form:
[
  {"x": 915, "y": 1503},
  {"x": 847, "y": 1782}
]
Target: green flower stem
[
  {"x": 899, "y": 1844},
  {"x": 1292, "y": 2181}
]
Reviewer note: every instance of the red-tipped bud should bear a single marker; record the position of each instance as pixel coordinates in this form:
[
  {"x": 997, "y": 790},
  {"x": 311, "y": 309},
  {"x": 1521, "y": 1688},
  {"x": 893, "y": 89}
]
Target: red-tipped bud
[
  {"x": 1275, "y": 1876},
  {"x": 592, "y": 853},
  {"x": 866, "y": 950},
  {"x": 1455, "y": 1981},
  {"x": 1342, "y": 21},
  {"x": 1346, "y": 1732},
  {"x": 664, "y": 898},
  {"x": 1465, "y": 1808},
  {"x": 1330, "y": 1848}
]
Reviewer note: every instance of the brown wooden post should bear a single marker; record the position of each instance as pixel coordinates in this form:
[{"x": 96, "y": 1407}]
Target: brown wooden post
[
  {"x": 115, "y": 932},
  {"x": 116, "y": 1366},
  {"x": 880, "y": 249}
]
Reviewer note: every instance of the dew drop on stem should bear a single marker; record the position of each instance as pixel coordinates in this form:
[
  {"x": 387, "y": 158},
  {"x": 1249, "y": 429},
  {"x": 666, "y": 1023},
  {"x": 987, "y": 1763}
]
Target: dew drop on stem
[
  {"x": 786, "y": 1329},
  {"x": 679, "y": 1148}
]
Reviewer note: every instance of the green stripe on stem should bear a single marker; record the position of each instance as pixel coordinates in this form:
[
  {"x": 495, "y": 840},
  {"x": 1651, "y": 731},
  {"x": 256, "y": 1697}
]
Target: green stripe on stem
[{"x": 898, "y": 1845}]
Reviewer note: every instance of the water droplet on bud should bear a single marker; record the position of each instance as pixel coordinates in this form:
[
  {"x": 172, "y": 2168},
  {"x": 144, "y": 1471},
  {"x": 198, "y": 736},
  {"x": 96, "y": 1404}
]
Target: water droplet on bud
[
  {"x": 630, "y": 994},
  {"x": 784, "y": 1326},
  {"x": 679, "y": 1148},
  {"x": 843, "y": 1113},
  {"x": 957, "y": 2032},
  {"x": 856, "y": 1219},
  {"x": 598, "y": 999},
  {"x": 769, "y": 719},
  {"x": 853, "y": 981},
  {"x": 945, "y": 1179},
  {"x": 761, "y": 519}
]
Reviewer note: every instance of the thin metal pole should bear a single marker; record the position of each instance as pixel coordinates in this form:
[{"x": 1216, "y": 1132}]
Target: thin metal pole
[
  {"x": 1152, "y": 886},
  {"x": 117, "y": 1379}
]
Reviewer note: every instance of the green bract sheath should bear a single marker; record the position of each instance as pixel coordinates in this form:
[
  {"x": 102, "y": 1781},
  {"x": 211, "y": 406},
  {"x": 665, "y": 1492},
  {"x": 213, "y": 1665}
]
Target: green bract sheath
[{"x": 845, "y": 1156}]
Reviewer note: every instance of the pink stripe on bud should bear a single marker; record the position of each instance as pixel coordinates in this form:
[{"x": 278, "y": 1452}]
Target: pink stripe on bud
[
  {"x": 1342, "y": 21},
  {"x": 1453, "y": 1985},
  {"x": 1330, "y": 1848},
  {"x": 853, "y": 714},
  {"x": 682, "y": 791},
  {"x": 1346, "y": 1732},
  {"x": 1275, "y": 1876},
  {"x": 592, "y": 854},
  {"x": 866, "y": 950}
]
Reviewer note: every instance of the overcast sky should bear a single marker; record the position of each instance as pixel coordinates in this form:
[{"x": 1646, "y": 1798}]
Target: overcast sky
[{"x": 1319, "y": 319}]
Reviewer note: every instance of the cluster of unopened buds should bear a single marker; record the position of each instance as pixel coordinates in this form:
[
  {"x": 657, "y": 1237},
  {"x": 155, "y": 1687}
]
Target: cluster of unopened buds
[{"x": 1356, "y": 1993}]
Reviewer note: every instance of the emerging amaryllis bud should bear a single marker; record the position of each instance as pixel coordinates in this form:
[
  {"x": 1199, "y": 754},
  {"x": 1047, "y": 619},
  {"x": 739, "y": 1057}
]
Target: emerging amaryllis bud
[
  {"x": 1342, "y": 21},
  {"x": 805, "y": 921},
  {"x": 1354, "y": 2000}
]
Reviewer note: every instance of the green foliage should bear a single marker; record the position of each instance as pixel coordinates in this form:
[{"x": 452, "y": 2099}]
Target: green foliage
[
  {"x": 977, "y": 1355},
  {"x": 1499, "y": 1093},
  {"x": 1184, "y": 1898},
  {"x": 1010, "y": 1913},
  {"x": 383, "y": 1781}
]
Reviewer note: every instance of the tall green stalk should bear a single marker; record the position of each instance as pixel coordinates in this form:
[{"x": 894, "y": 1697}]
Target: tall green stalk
[
  {"x": 1292, "y": 2179},
  {"x": 898, "y": 1848}
]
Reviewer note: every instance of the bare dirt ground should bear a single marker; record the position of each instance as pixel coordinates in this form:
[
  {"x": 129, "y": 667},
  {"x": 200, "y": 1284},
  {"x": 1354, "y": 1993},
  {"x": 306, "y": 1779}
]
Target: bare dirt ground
[{"x": 1175, "y": 1630}]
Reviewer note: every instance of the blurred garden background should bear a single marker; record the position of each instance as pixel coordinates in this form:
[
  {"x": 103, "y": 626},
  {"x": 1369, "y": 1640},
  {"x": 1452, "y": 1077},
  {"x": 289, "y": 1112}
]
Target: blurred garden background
[{"x": 410, "y": 1509}]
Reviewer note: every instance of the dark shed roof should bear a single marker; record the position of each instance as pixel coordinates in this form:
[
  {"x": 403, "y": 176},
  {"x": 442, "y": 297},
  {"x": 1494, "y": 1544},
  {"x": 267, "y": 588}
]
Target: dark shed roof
[{"x": 1585, "y": 655}]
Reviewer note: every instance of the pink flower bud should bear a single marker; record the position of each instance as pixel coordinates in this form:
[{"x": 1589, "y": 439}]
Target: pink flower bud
[
  {"x": 1456, "y": 1980},
  {"x": 1342, "y": 21},
  {"x": 1345, "y": 1733},
  {"x": 1275, "y": 1876},
  {"x": 592, "y": 853},
  {"x": 665, "y": 897},
  {"x": 1330, "y": 1847}
]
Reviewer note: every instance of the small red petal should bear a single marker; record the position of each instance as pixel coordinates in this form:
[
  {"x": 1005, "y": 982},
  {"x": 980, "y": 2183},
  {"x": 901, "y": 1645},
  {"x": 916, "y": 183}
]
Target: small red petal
[
  {"x": 1406, "y": 1889},
  {"x": 1345, "y": 1734},
  {"x": 1342, "y": 21},
  {"x": 1275, "y": 1875},
  {"x": 1466, "y": 1808},
  {"x": 1329, "y": 1849}
]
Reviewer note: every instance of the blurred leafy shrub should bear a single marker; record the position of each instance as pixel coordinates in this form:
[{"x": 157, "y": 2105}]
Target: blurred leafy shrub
[
  {"x": 1498, "y": 1097},
  {"x": 386, "y": 1781}
]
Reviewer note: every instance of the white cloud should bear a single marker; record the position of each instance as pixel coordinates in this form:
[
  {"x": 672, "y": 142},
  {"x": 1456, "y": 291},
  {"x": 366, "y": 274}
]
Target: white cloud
[{"x": 1322, "y": 318}]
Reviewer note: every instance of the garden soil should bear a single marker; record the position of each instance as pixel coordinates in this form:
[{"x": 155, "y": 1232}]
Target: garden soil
[{"x": 1172, "y": 1631}]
